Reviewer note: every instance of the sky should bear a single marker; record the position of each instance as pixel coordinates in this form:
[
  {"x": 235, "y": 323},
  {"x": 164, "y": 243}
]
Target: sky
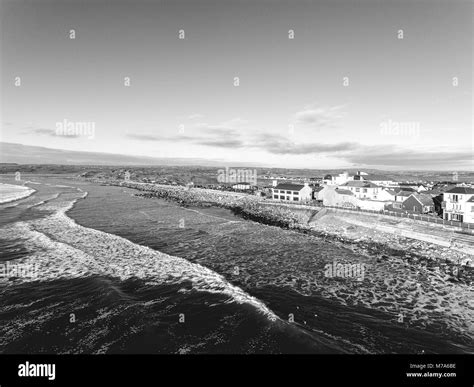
[{"x": 379, "y": 84}]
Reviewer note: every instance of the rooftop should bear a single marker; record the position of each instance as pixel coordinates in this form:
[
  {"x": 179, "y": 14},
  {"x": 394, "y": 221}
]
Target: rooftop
[
  {"x": 390, "y": 191},
  {"x": 404, "y": 193},
  {"x": 360, "y": 184},
  {"x": 290, "y": 186},
  {"x": 404, "y": 189},
  {"x": 461, "y": 190},
  {"x": 344, "y": 192},
  {"x": 378, "y": 178},
  {"x": 426, "y": 200}
]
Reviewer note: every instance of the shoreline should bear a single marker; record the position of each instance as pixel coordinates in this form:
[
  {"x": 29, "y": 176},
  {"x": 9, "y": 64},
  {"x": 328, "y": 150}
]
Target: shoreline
[
  {"x": 333, "y": 228},
  {"x": 11, "y": 192}
]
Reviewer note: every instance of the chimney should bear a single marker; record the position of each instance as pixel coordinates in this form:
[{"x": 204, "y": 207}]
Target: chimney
[{"x": 275, "y": 183}]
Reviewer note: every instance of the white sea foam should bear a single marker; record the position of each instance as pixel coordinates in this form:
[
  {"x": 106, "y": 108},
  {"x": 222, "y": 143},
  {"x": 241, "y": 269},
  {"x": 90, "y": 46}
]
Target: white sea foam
[
  {"x": 10, "y": 192},
  {"x": 63, "y": 249}
]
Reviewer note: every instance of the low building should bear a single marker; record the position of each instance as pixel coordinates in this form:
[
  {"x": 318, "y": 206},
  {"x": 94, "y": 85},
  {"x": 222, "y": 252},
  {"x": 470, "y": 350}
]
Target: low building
[
  {"x": 419, "y": 203},
  {"x": 387, "y": 195},
  {"x": 458, "y": 204},
  {"x": 242, "y": 186},
  {"x": 336, "y": 197},
  {"x": 362, "y": 189},
  {"x": 292, "y": 192},
  {"x": 401, "y": 196},
  {"x": 372, "y": 205},
  {"x": 345, "y": 198}
]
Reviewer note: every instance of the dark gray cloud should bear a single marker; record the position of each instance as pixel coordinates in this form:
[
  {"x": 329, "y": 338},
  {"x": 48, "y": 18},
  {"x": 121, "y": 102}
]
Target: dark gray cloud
[
  {"x": 352, "y": 152},
  {"x": 144, "y": 137},
  {"x": 217, "y": 136},
  {"x": 386, "y": 155},
  {"x": 280, "y": 145},
  {"x": 230, "y": 143},
  {"x": 47, "y": 132}
]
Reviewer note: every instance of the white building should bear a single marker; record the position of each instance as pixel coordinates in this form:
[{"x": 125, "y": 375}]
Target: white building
[
  {"x": 292, "y": 192},
  {"x": 401, "y": 196},
  {"x": 337, "y": 180},
  {"x": 372, "y": 205},
  {"x": 330, "y": 195},
  {"x": 380, "y": 180},
  {"x": 458, "y": 204},
  {"x": 363, "y": 189},
  {"x": 387, "y": 195}
]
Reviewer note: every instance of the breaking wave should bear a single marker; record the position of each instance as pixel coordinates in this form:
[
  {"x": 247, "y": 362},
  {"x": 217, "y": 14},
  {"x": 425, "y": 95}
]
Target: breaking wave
[{"x": 59, "y": 248}]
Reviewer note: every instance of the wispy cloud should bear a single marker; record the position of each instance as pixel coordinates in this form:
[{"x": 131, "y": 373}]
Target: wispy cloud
[
  {"x": 319, "y": 116},
  {"x": 47, "y": 132}
]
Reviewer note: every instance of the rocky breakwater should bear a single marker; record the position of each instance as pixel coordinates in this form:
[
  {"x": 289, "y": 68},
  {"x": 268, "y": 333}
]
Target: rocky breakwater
[
  {"x": 198, "y": 197},
  {"x": 247, "y": 206}
]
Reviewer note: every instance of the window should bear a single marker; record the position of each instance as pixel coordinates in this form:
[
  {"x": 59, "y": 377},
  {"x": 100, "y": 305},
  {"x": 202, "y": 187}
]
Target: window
[
  {"x": 287, "y": 198},
  {"x": 357, "y": 189},
  {"x": 275, "y": 196},
  {"x": 282, "y": 197},
  {"x": 275, "y": 191},
  {"x": 365, "y": 190},
  {"x": 472, "y": 209},
  {"x": 295, "y": 199},
  {"x": 288, "y": 192},
  {"x": 455, "y": 198},
  {"x": 397, "y": 205}
]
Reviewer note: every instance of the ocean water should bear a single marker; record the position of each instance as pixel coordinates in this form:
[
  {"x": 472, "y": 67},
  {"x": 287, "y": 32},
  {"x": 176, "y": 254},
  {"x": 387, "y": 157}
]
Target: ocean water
[{"x": 117, "y": 273}]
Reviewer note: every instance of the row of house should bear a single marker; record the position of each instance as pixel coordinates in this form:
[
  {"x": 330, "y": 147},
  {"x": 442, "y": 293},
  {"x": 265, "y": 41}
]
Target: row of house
[{"x": 453, "y": 203}]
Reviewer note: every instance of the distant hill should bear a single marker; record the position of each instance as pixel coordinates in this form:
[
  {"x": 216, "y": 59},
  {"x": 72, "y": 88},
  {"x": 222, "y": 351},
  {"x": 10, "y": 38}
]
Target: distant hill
[{"x": 11, "y": 153}]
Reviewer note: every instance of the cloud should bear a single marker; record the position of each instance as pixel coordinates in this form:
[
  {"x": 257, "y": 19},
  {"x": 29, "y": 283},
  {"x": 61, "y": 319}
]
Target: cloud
[
  {"x": 319, "y": 116},
  {"x": 209, "y": 130},
  {"x": 222, "y": 143},
  {"x": 143, "y": 137},
  {"x": 47, "y": 132},
  {"x": 279, "y": 145},
  {"x": 220, "y": 136},
  {"x": 388, "y": 155},
  {"x": 231, "y": 136}
]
